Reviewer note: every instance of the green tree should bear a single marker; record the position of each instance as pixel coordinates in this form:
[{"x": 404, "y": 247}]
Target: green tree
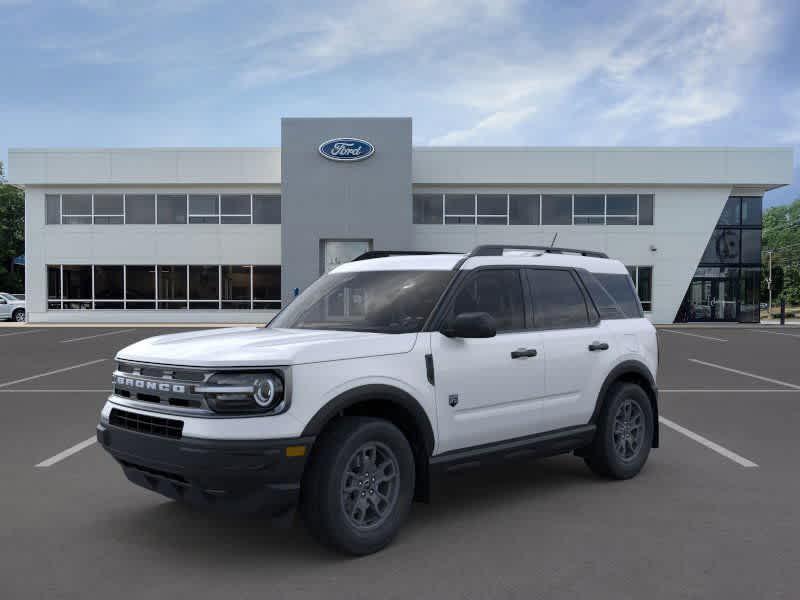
[
  {"x": 12, "y": 235},
  {"x": 781, "y": 235}
]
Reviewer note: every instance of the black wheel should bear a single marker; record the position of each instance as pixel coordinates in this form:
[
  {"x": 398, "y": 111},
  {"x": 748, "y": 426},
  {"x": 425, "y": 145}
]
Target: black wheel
[
  {"x": 624, "y": 433},
  {"x": 19, "y": 315},
  {"x": 358, "y": 488}
]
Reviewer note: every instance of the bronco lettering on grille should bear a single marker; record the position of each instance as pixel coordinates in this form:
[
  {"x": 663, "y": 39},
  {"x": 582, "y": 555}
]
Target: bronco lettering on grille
[{"x": 155, "y": 386}]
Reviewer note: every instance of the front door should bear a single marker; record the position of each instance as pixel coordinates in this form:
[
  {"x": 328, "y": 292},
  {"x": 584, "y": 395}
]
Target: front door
[
  {"x": 487, "y": 389},
  {"x": 711, "y": 300}
]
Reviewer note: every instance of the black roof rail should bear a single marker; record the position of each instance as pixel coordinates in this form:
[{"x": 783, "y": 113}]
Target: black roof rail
[
  {"x": 497, "y": 250},
  {"x": 385, "y": 253}
]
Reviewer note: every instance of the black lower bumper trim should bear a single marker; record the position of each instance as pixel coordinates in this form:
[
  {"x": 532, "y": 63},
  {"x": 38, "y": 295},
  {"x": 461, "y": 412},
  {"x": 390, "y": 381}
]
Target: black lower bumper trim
[{"x": 243, "y": 476}]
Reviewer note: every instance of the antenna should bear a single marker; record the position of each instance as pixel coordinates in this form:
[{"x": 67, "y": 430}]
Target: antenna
[{"x": 555, "y": 237}]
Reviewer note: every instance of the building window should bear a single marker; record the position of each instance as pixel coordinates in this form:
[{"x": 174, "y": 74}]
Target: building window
[
  {"x": 109, "y": 209},
  {"x": 643, "y": 282},
  {"x": 523, "y": 209},
  {"x": 53, "y": 209},
  {"x": 171, "y": 209},
  {"x": 140, "y": 209},
  {"x": 204, "y": 208},
  {"x": 163, "y": 287},
  {"x": 556, "y": 209},
  {"x": 236, "y": 209},
  {"x": 533, "y": 209},
  {"x": 76, "y": 209},
  {"x": 266, "y": 209}
]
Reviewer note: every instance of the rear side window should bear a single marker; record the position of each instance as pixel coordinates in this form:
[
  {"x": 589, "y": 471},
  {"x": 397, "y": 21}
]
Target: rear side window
[
  {"x": 558, "y": 302},
  {"x": 606, "y": 305},
  {"x": 621, "y": 289}
]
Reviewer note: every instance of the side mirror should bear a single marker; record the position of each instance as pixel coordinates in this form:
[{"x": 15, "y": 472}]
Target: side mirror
[{"x": 471, "y": 325}]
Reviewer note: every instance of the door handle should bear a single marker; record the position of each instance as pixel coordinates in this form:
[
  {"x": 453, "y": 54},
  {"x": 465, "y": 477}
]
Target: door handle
[
  {"x": 598, "y": 346},
  {"x": 523, "y": 353}
]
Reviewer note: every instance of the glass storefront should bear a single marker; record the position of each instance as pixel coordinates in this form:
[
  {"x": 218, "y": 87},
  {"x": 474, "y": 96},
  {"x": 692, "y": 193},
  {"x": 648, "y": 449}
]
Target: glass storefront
[{"x": 726, "y": 284}]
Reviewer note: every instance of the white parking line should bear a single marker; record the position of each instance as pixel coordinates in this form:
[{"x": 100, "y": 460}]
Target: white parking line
[
  {"x": 740, "y": 460},
  {"x": 794, "y": 335},
  {"x": 697, "y": 335},
  {"x": 720, "y": 391},
  {"x": 24, "y": 379},
  {"x": 22, "y": 332},
  {"x": 91, "y": 337},
  {"x": 745, "y": 373},
  {"x": 67, "y": 453}
]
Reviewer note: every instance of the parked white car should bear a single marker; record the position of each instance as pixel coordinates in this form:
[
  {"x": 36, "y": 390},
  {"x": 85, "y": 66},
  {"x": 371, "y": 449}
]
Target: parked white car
[
  {"x": 12, "y": 308},
  {"x": 385, "y": 373}
]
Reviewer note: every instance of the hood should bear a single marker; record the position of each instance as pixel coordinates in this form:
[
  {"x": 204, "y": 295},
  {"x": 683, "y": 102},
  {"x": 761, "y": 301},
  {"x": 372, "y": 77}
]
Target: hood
[{"x": 259, "y": 346}]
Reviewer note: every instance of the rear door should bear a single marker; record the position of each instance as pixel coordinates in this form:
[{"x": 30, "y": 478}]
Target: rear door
[
  {"x": 578, "y": 346},
  {"x": 487, "y": 389}
]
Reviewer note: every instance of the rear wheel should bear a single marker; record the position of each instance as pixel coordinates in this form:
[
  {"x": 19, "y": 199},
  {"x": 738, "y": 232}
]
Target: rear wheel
[
  {"x": 19, "y": 315},
  {"x": 624, "y": 433},
  {"x": 359, "y": 486}
]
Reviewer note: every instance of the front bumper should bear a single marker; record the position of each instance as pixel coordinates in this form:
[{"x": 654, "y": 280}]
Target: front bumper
[{"x": 243, "y": 476}]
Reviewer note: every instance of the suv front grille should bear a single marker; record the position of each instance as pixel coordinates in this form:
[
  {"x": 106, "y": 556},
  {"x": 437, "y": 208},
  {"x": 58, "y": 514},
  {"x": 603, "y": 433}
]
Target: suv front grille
[
  {"x": 162, "y": 385},
  {"x": 170, "y": 428}
]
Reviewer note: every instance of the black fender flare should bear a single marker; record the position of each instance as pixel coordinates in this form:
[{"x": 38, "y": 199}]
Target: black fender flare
[
  {"x": 619, "y": 371},
  {"x": 374, "y": 392}
]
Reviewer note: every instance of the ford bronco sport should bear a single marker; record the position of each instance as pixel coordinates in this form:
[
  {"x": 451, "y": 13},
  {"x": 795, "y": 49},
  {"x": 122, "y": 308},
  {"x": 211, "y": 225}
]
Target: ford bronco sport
[{"x": 385, "y": 373}]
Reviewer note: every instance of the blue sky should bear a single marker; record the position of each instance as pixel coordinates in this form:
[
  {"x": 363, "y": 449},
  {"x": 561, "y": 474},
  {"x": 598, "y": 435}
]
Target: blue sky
[{"x": 90, "y": 73}]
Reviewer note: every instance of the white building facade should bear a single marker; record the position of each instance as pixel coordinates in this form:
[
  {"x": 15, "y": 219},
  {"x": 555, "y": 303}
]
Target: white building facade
[{"x": 229, "y": 235}]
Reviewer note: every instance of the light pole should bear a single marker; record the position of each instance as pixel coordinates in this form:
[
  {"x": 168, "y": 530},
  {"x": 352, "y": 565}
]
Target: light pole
[{"x": 769, "y": 286}]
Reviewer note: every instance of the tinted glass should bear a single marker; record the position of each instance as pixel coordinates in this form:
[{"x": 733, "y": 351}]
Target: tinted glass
[
  {"x": 236, "y": 204},
  {"x": 621, "y": 204},
  {"x": 492, "y": 204},
  {"x": 731, "y": 213},
  {"x": 172, "y": 282},
  {"x": 646, "y": 209},
  {"x": 108, "y": 204},
  {"x": 379, "y": 301},
  {"x": 749, "y": 295},
  {"x": 497, "y": 292},
  {"x": 751, "y": 245},
  {"x": 428, "y": 209},
  {"x": 76, "y": 204},
  {"x": 607, "y": 307},
  {"x": 645, "y": 287},
  {"x": 523, "y": 209},
  {"x": 77, "y": 282},
  {"x": 556, "y": 209},
  {"x": 266, "y": 283},
  {"x": 751, "y": 211},
  {"x": 236, "y": 283},
  {"x": 140, "y": 282},
  {"x": 108, "y": 282},
  {"x": 589, "y": 204},
  {"x": 140, "y": 209},
  {"x": 203, "y": 282},
  {"x": 53, "y": 207},
  {"x": 723, "y": 247},
  {"x": 53, "y": 282},
  {"x": 459, "y": 204},
  {"x": 558, "y": 302},
  {"x": 203, "y": 204},
  {"x": 266, "y": 209},
  {"x": 621, "y": 288},
  {"x": 171, "y": 209}
]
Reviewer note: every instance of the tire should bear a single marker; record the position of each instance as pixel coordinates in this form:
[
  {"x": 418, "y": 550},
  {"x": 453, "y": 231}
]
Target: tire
[
  {"x": 333, "y": 497},
  {"x": 18, "y": 315},
  {"x": 624, "y": 433}
]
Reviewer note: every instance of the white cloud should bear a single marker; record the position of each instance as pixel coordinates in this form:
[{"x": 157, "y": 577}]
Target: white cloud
[{"x": 501, "y": 121}]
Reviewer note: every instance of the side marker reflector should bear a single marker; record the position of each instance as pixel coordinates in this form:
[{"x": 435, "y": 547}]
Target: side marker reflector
[{"x": 292, "y": 451}]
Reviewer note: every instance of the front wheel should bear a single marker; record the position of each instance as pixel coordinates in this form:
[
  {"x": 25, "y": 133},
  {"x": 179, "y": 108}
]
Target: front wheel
[
  {"x": 359, "y": 486},
  {"x": 19, "y": 315},
  {"x": 624, "y": 433}
]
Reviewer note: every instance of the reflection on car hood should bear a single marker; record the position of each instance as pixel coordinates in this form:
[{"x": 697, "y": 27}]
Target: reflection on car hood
[{"x": 259, "y": 346}]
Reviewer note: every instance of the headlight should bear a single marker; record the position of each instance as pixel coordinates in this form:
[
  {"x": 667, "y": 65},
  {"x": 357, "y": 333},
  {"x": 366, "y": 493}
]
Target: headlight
[{"x": 244, "y": 393}]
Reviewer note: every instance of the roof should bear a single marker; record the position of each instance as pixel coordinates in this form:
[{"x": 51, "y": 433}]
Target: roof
[{"x": 446, "y": 262}]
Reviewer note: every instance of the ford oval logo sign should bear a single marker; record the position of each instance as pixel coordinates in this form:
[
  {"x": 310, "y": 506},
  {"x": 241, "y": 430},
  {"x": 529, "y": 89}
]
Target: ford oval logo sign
[{"x": 344, "y": 149}]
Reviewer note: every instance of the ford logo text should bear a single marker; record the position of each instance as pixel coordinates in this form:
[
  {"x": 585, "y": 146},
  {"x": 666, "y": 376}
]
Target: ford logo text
[{"x": 344, "y": 149}]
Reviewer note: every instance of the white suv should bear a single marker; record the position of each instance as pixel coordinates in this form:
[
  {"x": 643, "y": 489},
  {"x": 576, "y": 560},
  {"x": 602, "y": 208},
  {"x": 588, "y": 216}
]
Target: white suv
[{"x": 385, "y": 373}]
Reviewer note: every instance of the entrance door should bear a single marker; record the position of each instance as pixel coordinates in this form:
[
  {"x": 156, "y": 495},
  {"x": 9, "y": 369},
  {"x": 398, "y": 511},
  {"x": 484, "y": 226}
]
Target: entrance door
[{"x": 712, "y": 300}]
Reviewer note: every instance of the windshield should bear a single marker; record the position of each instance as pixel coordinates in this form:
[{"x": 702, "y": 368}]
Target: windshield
[{"x": 372, "y": 301}]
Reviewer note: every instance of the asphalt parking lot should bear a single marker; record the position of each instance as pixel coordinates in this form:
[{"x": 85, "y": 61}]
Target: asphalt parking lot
[{"x": 713, "y": 515}]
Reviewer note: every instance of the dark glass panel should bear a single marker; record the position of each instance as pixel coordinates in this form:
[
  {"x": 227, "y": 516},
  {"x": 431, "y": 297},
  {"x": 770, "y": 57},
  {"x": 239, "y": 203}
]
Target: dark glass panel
[
  {"x": 172, "y": 282},
  {"x": 646, "y": 209},
  {"x": 77, "y": 282},
  {"x": 203, "y": 282},
  {"x": 140, "y": 209},
  {"x": 53, "y": 209},
  {"x": 171, "y": 209},
  {"x": 140, "y": 282},
  {"x": 557, "y": 300},
  {"x": 236, "y": 283},
  {"x": 723, "y": 247},
  {"x": 731, "y": 213},
  {"x": 751, "y": 211},
  {"x": 459, "y": 204},
  {"x": 620, "y": 204},
  {"x": 492, "y": 204},
  {"x": 267, "y": 209},
  {"x": 108, "y": 282},
  {"x": 590, "y": 204},
  {"x": 266, "y": 282},
  {"x": 751, "y": 246},
  {"x": 557, "y": 209},
  {"x": 54, "y": 282},
  {"x": 523, "y": 209}
]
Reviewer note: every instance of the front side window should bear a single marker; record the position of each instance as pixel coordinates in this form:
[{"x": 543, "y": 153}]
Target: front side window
[
  {"x": 558, "y": 301},
  {"x": 494, "y": 291},
  {"x": 368, "y": 301}
]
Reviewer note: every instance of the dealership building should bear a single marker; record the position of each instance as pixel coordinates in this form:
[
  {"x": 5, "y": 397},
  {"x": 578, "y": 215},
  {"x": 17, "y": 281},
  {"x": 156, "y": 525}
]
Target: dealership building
[{"x": 232, "y": 234}]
